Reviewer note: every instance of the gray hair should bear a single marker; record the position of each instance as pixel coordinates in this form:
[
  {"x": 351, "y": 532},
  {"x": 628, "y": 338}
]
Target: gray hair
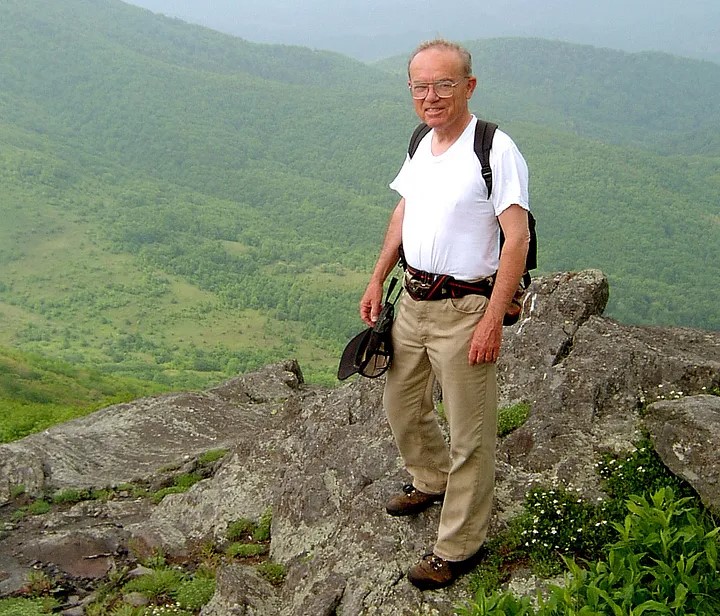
[{"x": 439, "y": 43}]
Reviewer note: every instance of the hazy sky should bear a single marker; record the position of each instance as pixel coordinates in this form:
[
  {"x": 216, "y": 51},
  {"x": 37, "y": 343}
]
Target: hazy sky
[{"x": 372, "y": 29}]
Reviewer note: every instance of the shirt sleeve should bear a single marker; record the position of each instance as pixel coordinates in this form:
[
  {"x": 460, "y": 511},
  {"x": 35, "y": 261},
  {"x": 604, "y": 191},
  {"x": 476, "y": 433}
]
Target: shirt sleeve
[
  {"x": 510, "y": 174},
  {"x": 399, "y": 182}
]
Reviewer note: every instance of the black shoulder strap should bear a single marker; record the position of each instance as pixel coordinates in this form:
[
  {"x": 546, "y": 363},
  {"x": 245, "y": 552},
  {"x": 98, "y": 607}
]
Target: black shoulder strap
[
  {"x": 420, "y": 131},
  {"x": 531, "y": 261},
  {"x": 484, "y": 133}
]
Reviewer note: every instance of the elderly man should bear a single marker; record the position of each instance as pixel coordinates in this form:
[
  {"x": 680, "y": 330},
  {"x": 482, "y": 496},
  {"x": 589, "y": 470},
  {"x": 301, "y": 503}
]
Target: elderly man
[{"x": 446, "y": 226}]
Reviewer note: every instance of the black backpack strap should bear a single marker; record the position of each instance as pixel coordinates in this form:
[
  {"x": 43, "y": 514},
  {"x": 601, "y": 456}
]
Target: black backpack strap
[
  {"x": 420, "y": 131},
  {"x": 531, "y": 261},
  {"x": 484, "y": 133}
]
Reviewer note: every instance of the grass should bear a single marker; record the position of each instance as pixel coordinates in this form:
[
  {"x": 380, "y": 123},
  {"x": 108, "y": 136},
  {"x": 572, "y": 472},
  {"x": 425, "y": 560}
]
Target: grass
[
  {"x": 75, "y": 298},
  {"x": 246, "y": 550},
  {"x": 159, "y": 585},
  {"x": 212, "y": 455},
  {"x": 649, "y": 527},
  {"x": 181, "y": 483},
  {"x": 272, "y": 572},
  {"x": 173, "y": 590},
  {"x": 249, "y": 539},
  {"x": 512, "y": 417},
  {"x": 37, "y": 393},
  {"x": 35, "y": 507},
  {"x": 167, "y": 590},
  {"x": 19, "y": 606},
  {"x": 509, "y": 418},
  {"x": 241, "y": 529}
]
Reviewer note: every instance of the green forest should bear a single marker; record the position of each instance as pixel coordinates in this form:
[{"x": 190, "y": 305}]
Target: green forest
[{"x": 179, "y": 205}]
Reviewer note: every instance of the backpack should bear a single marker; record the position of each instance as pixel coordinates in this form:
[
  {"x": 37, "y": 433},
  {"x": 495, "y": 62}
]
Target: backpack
[{"x": 484, "y": 133}]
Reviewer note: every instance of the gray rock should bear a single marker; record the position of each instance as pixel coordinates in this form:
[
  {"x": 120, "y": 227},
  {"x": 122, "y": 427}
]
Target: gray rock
[
  {"x": 684, "y": 432},
  {"x": 242, "y": 592}
]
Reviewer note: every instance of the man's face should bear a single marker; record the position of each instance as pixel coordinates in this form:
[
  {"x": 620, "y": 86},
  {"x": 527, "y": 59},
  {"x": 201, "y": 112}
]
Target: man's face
[{"x": 433, "y": 65}]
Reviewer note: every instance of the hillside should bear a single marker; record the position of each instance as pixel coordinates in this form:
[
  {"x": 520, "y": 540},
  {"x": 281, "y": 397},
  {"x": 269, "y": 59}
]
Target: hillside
[
  {"x": 657, "y": 102},
  {"x": 182, "y": 205},
  {"x": 37, "y": 392}
]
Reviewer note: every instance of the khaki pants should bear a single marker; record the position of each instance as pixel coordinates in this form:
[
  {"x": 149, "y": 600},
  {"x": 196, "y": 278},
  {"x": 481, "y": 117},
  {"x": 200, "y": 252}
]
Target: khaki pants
[{"x": 433, "y": 338}]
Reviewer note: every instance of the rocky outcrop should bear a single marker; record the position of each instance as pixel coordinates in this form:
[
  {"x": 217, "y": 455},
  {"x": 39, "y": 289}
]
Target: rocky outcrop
[
  {"x": 685, "y": 432},
  {"x": 324, "y": 460}
]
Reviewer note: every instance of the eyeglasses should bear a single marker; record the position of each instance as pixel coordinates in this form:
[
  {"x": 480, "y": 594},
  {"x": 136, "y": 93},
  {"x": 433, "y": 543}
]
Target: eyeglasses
[{"x": 443, "y": 88}]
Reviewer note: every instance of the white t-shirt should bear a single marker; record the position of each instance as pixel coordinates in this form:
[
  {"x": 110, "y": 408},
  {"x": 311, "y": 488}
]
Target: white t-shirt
[{"x": 450, "y": 226}]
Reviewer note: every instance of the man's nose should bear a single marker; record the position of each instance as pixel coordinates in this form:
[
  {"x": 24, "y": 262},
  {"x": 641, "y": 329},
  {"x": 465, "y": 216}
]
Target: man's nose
[{"x": 431, "y": 95}]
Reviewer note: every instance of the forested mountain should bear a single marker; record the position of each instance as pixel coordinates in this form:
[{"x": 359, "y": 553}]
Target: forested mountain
[{"x": 180, "y": 204}]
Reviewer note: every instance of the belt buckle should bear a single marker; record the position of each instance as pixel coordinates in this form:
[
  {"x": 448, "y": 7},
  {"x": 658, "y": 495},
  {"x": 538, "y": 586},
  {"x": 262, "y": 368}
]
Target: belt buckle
[{"x": 416, "y": 288}]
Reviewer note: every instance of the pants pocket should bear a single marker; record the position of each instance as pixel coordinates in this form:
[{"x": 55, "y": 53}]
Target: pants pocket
[{"x": 469, "y": 304}]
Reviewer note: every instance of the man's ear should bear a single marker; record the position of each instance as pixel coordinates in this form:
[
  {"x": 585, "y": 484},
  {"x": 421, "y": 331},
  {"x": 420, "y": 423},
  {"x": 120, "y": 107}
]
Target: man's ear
[{"x": 471, "y": 85}]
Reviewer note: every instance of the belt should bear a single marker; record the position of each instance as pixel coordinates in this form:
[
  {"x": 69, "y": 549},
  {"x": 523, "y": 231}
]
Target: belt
[{"x": 425, "y": 286}]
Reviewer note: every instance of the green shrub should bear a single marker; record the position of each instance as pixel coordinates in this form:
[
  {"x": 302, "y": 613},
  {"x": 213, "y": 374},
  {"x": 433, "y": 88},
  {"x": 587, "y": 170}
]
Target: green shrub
[
  {"x": 186, "y": 480},
  {"x": 664, "y": 561},
  {"x": 38, "y": 507},
  {"x": 262, "y": 532},
  {"x": 559, "y": 521},
  {"x": 156, "y": 560},
  {"x": 272, "y": 572},
  {"x": 212, "y": 456},
  {"x": 512, "y": 417},
  {"x": 246, "y": 550},
  {"x": 193, "y": 594},
  {"x": 170, "y": 591},
  {"x": 497, "y": 603},
  {"x": 104, "y": 494},
  {"x": 636, "y": 473},
  {"x": 156, "y": 497},
  {"x": 159, "y": 585},
  {"x": 240, "y": 529},
  {"x": 166, "y": 609},
  {"x": 70, "y": 496},
  {"x": 39, "y": 584},
  {"x": 244, "y": 529},
  {"x": 125, "y": 610},
  {"x": 181, "y": 483},
  {"x": 17, "y": 491}
]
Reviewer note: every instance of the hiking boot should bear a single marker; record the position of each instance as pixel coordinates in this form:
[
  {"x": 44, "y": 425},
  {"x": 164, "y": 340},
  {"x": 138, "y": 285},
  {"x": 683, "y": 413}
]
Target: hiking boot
[
  {"x": 411, "y": 501},
  {"x": 433, "y": 572}
]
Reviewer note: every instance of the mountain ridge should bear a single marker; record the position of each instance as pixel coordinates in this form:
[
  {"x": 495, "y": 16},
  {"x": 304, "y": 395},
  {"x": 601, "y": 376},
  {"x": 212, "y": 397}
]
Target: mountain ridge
[
  {"x": 378, "y": 29},
  {"x": 257, "y": 204}
]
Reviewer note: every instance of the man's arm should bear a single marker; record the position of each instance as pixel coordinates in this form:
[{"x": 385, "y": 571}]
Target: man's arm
[
  {"x": 487, "y": 337},
  {"x": 371, "y": 301}
]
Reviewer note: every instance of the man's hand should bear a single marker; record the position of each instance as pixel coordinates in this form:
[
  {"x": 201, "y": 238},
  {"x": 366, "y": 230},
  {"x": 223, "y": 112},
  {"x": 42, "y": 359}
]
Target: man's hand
[
  {"x": 486, "y": 341},
  {"x": 371, "y": 303},
  {"x": 487, "y": 337}
]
